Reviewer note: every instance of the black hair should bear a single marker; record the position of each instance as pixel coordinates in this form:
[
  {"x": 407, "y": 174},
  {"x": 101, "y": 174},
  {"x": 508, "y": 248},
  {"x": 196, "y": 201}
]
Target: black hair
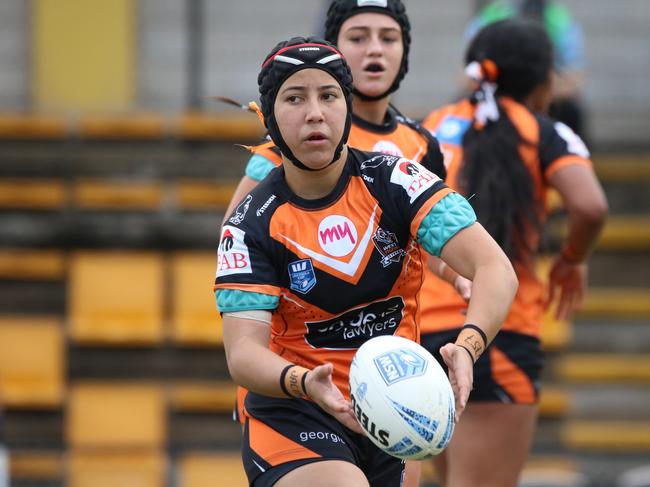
[{"x": 493, "y": 169}]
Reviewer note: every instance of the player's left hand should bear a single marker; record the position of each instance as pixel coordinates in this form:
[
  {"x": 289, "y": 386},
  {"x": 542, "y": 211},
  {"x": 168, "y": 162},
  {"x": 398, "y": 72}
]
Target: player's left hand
[
  {"x": 322, "y": 390},
  {"x": 461, "y": 374},
  {"x": 569, "y": 282}
]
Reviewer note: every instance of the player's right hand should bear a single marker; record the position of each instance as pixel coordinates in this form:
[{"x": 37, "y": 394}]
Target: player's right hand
[{"x": 321, "y": 389}]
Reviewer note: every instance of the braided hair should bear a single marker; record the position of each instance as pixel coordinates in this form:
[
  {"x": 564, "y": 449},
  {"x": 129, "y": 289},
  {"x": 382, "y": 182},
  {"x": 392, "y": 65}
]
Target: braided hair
[{"x": 514, "y": 57}]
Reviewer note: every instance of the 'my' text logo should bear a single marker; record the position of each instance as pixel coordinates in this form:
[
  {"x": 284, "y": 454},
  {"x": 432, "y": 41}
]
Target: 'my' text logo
[{"x": 337, "y": 235}]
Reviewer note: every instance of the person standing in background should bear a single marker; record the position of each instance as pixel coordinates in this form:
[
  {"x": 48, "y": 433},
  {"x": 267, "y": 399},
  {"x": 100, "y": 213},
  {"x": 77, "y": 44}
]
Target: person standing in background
[
  {"x": 568, "y": 43},
  {"x": 504, "y": 156}
]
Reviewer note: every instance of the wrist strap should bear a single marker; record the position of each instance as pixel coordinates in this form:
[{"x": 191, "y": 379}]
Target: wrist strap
[
  {"x": 479, "y": 330},
  {"x": 471, "y": 355},
  {"x": 283, "y": 376},
  {"x": 473, "y": 339},
  {"x": 302, "y": 384},
  {"x": 292, "y": 382}
]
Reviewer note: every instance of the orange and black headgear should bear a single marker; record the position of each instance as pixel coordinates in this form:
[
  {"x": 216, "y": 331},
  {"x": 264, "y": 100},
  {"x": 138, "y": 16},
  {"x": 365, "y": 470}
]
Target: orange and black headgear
[
  {"x": 341, "y": 10},
  {"x": 289, "y": 57}
]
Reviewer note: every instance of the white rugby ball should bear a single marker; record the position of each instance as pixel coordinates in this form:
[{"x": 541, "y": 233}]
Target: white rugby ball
[{"x": 402, "y": 398}]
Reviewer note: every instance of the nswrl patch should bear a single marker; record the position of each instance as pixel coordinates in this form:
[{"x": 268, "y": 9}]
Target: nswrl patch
[{"x": 302, "y": 277}]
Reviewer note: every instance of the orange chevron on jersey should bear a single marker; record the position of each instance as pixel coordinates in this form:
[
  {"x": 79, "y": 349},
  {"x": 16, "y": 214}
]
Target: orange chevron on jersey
[{"x": 341, "y": 240}]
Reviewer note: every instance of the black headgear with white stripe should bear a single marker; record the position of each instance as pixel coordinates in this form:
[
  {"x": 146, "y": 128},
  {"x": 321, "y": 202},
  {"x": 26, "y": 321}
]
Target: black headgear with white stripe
[
  {"x": 341, "y": 10},
  {"x": 289, "y": 57}
]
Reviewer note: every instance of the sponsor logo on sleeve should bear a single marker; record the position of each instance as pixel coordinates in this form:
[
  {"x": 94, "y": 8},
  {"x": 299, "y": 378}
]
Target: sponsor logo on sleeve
[
  {"x": 337, "y": 235},
  {"x": 302, "y": 277},
  {"x": 240, "y": 211},
  {"x": 266, "y": 204},
  {"x": 351, "y": 329},
  {"x": 413, "y": 177},
  {"x": 388, "y": 246},
  {"x": 233, "y": 256}
]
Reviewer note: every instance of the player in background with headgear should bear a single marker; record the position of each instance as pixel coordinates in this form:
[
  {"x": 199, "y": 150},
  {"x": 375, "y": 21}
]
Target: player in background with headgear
[
  {"x": 507, "y": 156},
  {"x": 375, "y": 38},
  {"x": 308, "y": 254}
]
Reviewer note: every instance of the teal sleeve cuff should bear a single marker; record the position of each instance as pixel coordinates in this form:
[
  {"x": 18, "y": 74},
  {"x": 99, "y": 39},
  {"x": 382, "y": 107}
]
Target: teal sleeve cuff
[
  {"x": 258, "y": 167},
  {"x": 449, "y": 216},
  {"x": 231, "y": 300}
]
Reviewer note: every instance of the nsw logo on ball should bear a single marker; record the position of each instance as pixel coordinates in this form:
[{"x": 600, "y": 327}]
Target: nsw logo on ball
[{"x": 400, "y": 364}]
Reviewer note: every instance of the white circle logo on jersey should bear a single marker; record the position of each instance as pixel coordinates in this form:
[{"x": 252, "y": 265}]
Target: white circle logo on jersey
[
  {"x": 387, "y": 147},
  {"x": 449, "y": 129},
  {"x": 337, "y": 235}
]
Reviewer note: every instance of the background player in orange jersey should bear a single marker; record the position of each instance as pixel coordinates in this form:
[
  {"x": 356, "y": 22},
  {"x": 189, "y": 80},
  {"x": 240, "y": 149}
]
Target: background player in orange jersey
[
  {"x": 375, "y": 39},
  {"x": 502, "y": 152},
  {"x": 332, "y": 235}
]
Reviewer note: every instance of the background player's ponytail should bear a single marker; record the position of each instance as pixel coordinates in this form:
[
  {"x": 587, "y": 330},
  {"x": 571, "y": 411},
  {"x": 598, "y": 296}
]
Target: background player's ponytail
[{"x": 508, "y": 58}]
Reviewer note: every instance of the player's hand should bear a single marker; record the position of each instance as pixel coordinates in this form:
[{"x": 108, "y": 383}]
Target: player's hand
[
  {"x": 461, "y": 374},
  {"x": 567, "y": 282},
  {"x": 322, "y": 390},
  {"x": 463, "y": 287}
]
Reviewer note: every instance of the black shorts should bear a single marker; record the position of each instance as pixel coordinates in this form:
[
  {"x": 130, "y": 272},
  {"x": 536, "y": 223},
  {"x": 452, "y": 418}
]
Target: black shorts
[
  {"x": 509, "y": 371},
  {"x": 283, "y": 434}
]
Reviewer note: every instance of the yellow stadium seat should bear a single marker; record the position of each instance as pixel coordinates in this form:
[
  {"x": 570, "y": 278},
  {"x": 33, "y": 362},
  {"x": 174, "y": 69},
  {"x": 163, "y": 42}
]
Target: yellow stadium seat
[
  {"x": 116, "y": 298},
  {"x": 123, "y": 469},
  {"x": 134, "y": 126},
  {"x": 197, "y": 195},
  {"x": 116, "y": 415},
  {"x": 32, "y": 264},
  {"x": 32, "y": 362},
  {"x": 597, "y": 368},
  {"x": 195, "y": 319},
  {"x": 620, "y": 302},
  {"x": 36, "y": 465},
  {"x": 33, "y": 194},
  {"x": 200, "y": 469},
  {"x": 117, "y": 195},
  {"x": 607, "y": 435},
  {"x": 236, "y": 127},
  {"x": 555, "y": 402},
  {"x": 620, "y": 233},
  {"x": 20, "y": 126},
  {"x": 199, "y": 397}
]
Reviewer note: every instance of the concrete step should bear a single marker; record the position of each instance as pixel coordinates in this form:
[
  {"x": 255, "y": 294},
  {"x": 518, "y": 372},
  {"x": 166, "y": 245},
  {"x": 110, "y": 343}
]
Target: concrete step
[{"x": 629, "y": 335}]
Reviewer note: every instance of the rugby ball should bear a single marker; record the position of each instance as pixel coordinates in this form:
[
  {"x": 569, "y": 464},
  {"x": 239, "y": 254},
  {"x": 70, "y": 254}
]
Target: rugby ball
[{"x": 402, "y": 398}]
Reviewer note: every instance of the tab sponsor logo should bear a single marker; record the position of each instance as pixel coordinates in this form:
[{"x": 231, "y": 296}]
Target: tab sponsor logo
[{"x": 233, "y": 256}]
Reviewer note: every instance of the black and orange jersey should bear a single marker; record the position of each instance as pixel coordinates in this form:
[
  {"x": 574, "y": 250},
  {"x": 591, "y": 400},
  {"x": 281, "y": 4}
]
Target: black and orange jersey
[
  {"x": 339, "y": 270},
  {"x": 398, "y": 136},
  {"x": 552, "y": 146}
]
